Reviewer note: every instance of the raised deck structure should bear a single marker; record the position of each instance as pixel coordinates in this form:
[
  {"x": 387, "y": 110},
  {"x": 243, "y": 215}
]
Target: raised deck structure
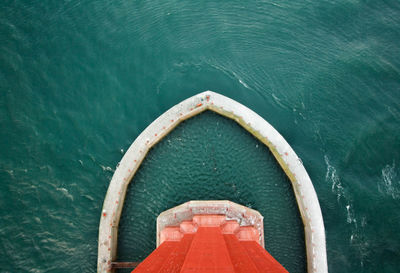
[
  {"x": 291, "y": 164},
  {"x": 210, "y": 236}
]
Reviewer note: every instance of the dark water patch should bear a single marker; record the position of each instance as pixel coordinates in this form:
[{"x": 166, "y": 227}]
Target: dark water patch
[{"x": 210, "y": 157}]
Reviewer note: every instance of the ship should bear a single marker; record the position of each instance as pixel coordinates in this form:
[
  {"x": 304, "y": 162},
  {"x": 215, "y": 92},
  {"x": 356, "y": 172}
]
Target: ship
[{"x": 210, "y": 235}]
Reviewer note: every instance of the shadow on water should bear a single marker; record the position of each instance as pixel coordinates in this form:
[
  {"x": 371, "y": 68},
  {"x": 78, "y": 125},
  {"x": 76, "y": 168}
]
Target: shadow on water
[{"x": 211, "y": 157}]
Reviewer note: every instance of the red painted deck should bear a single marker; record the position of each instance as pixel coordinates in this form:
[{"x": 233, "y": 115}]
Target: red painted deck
[{"x": 209, "y": 244}]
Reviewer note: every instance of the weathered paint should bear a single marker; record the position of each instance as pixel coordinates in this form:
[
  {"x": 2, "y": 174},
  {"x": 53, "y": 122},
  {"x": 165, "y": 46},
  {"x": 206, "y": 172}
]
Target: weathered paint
[{"x": 304, "y": 191}]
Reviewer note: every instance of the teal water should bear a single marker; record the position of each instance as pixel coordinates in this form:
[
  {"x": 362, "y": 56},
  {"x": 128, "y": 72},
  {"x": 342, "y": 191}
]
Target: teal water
[{"x": 79, "y": 81}]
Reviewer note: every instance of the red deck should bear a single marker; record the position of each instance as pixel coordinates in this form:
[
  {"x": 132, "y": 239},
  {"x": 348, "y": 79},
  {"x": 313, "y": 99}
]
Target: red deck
[{"x": 209, "y": 244}]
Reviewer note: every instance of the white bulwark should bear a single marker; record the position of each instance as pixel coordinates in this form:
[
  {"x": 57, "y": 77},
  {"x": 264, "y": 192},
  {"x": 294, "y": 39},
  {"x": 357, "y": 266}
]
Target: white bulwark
[{"x": 291, "y": 164}]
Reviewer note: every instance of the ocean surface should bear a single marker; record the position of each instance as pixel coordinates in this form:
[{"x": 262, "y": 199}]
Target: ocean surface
[{"x": 80, "y": 80}]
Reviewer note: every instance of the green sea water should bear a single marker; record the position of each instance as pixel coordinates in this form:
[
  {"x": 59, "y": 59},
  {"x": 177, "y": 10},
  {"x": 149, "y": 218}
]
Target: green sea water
[{"x": 80, "y": 80}]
